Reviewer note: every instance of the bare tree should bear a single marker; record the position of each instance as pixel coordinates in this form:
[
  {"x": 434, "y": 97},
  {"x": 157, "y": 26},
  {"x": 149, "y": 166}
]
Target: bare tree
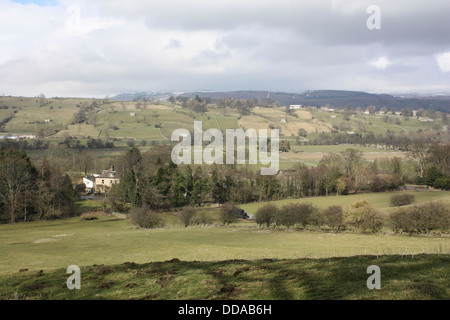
[
  {"x": 419, "y": 152},
  {"x": 17, "y": 179}
]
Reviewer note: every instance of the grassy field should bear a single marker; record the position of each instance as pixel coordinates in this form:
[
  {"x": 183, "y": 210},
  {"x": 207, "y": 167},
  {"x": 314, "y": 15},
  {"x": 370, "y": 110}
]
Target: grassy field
[
  {"x": 240, "y": 261},
  {"x": 419, "y": 277},
  {"x": 110, "y": 240},
  {"x": 131, "y": 122},
  {"x": 378, "y": 200}
]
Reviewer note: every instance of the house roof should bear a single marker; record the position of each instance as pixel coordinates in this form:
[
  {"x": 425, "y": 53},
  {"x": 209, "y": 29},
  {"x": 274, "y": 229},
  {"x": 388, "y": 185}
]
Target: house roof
[
  {"x": 90, "y": 178},
  {"x": 111, "y": 173}
]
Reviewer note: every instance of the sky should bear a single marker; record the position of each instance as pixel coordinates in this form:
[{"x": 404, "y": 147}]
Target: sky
[{"x": 99, "y": 48}]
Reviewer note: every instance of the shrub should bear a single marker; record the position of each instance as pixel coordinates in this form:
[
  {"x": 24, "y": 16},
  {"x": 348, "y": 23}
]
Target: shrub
[
  {"x": 131, "y": 143},
  {"x": 187, "y": 215},
  {"x": 287, "y": 215},
  {"x": 431, "y": 216},
  {"x": 362, "y": 216},
  {"x": 229, "y": 213},
  {"x": 334, "y": 217},
  {"x": 305, "y": 212},
  {"x": 401, "y": 220},
  {"x": 118, "y": 207},
  {"x": 145, "y": 218},
  {"x": 372, "y": 221},
  {"x": 398, "y": 200},
  {"x": 442, "y": 183},
  {"x": 266, "y": 215},
  {"x": 295, "y": 214},
  {"x": 421, "y": 218},
  {"x": 202, "y": 219},
  {"x": 317, "y": 218}
]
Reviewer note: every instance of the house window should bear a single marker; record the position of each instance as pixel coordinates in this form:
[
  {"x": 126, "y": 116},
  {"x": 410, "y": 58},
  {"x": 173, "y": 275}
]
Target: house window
[{"x": 103, "y": 181}]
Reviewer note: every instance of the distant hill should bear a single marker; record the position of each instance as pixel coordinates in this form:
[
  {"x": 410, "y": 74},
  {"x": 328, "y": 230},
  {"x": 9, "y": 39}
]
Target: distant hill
[{"x": 334, "y": 98}]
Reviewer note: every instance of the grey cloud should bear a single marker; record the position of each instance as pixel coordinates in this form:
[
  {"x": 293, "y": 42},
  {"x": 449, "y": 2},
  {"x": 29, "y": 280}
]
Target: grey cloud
[{"x": 267, "y": 44}]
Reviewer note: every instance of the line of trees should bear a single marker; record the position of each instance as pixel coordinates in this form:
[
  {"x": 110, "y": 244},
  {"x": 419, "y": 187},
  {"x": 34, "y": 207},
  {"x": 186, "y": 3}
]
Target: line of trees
[
  {"x": 359, "y": 216},
  {"x": 390, "y": 140},
  {"x": 90, "y": 144},
  {"x": 35, "y": 144},
  {"x": 152, "y": 180}
]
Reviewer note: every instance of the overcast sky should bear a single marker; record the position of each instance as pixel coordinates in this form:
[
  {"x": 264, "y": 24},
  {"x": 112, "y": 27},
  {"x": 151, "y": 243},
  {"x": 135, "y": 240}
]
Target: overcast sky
[{"x": 96, "y": 48}]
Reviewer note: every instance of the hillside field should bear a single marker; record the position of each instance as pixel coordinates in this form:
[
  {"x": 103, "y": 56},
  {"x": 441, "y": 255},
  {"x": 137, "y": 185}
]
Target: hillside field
[
  {"x": 111, "y": 240},
  {"x": 419, "y": 277}
]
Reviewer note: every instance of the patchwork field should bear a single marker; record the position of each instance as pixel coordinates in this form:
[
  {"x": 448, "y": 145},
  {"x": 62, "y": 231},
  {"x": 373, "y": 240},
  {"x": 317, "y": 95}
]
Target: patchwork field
[{"x": 144, "y": 121}]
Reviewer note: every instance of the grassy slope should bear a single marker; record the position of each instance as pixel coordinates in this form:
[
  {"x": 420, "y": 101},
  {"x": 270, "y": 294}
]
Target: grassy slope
[
  {"x": 312, "y": 265},
  {"x": 378, "y": 200},
  {"x": 108, "y": 240},
  {"x": 61, "y": 112},
  {"x": 408, "y": 277}
]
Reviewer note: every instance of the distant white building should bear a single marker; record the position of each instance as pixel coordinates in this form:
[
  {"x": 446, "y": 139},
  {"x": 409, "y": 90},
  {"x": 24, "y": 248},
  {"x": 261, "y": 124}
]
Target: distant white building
[
  {"x": 426, "y": 119},
  {"x": 27, "y": 136},
  {"x": 295, "y": 106},
  {"x": 89, "y": 181}
]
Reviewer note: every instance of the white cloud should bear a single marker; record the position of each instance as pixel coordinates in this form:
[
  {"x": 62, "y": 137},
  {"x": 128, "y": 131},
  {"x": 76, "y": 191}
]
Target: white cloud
[
  {"x": 381, "y": 63},
  {"x": 443, "y": 60}
]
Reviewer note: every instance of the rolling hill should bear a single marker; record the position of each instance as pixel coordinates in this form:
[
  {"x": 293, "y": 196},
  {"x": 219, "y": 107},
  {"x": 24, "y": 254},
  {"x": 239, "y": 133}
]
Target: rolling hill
[{"x": 334, "y": 98}]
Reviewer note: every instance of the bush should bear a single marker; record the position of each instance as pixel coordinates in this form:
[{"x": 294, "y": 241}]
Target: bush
[
  {"x": 131, "y": 143},
  {"x": 362, "y": 216},
  {"x": 229, "y": 213},
  {"x": 145, "y": 218},
  {"x": 295, "y": 214},
  {"x": 287, "y": 215},
  {"x": 432, "y": 216},
  {"x": 187, "y": 215},
  {"x": 442, "y": 183},
  {"x": 266, "y": 215},
  {"x": 421, "y": 218},
  {"x": 398, "y": 200},
  {"x": 317, "y": 218},
  {"x": 202, "y": 219},
  {"x": 118, "y": 207},
  {"x": 334, "y": 217},
  {"x": 372, "y": 221},
  {"x": 305, "y": 212},
  {"x": 401, "y": 220}
]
